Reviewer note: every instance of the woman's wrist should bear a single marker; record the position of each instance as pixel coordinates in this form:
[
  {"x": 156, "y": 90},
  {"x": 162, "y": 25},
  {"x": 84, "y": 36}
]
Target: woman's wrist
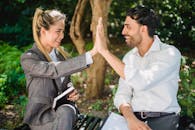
[{"x": 93, "y": 52}]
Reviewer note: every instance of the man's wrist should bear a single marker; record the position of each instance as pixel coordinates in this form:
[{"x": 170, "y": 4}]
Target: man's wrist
[{"x": 127, "y": 112}]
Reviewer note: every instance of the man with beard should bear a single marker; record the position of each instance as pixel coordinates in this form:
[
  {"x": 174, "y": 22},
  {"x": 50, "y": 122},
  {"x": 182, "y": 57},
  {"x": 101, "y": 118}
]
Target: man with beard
[{"x": 149, "y": 73}]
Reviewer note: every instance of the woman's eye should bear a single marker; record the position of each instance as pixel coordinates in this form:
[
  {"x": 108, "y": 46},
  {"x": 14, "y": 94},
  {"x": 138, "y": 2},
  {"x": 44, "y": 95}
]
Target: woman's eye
[{"x": 58, "y": 32}]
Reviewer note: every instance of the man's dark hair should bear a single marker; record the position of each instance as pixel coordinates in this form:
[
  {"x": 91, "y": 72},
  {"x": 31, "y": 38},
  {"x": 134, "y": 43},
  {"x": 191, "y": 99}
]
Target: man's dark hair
[{"x": 145, "y": 16}]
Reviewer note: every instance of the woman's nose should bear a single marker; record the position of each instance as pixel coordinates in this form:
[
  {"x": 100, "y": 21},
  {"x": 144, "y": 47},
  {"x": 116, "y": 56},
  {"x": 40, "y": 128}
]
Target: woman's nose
[{"x": 61, "y": 35}]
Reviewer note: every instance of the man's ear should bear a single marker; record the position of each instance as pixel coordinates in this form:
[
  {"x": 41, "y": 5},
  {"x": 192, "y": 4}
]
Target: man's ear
[{"x": 144, "y": 29}]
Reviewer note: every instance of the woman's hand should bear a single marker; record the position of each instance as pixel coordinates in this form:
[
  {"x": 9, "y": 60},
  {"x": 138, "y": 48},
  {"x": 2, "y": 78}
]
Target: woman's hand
[
  {"x": 93, "y": 51},
  {"x": 73, "y": 96},
  {"x": 100, "y": 40}
]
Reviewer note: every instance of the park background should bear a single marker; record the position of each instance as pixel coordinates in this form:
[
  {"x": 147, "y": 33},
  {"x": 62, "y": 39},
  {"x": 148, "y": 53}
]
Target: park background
[{"x": 97, "y": 85}]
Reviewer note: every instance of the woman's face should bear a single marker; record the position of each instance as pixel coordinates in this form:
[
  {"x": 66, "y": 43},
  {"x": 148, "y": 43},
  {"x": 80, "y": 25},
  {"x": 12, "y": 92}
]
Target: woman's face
[{"x": 52, "y": 38}]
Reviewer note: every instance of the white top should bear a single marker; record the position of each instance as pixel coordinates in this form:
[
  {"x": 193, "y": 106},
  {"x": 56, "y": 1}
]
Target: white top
[{"x": 151, "y": 81}]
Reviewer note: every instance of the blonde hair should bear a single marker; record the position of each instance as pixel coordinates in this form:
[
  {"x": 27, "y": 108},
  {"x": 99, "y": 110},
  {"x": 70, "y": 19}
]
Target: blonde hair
[{"x": 45, "y": 19}]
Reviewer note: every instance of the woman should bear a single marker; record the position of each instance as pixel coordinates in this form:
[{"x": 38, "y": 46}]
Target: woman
[{"x": 47, "y": 70}]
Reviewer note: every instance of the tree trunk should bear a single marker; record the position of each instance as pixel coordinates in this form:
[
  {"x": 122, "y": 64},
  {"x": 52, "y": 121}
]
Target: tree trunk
[
  {"x": 75, "y": 29},
  {"x": 96, "y": 72}
]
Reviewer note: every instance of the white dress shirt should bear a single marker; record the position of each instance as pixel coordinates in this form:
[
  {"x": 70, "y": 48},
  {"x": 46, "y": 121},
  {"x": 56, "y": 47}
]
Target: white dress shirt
[{"x": 151, "y": 81}]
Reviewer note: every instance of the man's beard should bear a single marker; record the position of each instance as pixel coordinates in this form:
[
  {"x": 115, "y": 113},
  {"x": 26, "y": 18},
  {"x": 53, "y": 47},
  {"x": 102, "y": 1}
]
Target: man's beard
[{"x": 131, "y": 42}]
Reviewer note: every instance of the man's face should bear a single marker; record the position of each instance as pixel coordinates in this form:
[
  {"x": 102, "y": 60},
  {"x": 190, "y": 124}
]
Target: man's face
[{"x": 132, "y": 32}]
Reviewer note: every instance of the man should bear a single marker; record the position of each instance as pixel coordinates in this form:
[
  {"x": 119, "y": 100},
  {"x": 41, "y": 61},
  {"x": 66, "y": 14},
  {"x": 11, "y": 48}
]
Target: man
[{"x": 149, "y": 73}]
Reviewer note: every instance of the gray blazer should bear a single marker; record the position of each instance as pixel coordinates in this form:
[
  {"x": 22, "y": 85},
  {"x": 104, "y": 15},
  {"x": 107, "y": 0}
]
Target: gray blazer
[{"x": 41, "y": 77}]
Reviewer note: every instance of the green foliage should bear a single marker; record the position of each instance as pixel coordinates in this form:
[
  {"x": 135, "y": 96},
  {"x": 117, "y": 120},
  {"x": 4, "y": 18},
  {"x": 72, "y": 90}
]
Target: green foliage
[
  {"x": 177, "y": 26},
  {"x": 186, "y": 95},
  {"x": 21, "y": 1},
  {"x": 89, "y": 46},
  {"x": 12, "y": 77},
  {"x": 70, "y": 48},
  {"x": 78, "y": 78},
  {"x": 20, "y": 104},
  {"x": 111, "y": 106},
  {"x": 176, "y": 19},
  {"x": 111, "y": 77},
  {"x": 15, "y": 28},
  {"x": 3, "y": 98},
  {"x": 97, "y": 105}
]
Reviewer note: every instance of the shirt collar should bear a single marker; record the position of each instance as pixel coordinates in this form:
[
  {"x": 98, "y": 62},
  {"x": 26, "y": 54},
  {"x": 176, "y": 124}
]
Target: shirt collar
[{"x": 155, "y": 45}]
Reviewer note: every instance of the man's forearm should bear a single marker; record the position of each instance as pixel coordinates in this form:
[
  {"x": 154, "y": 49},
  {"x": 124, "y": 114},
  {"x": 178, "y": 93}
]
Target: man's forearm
[{"x": 114, "y": 62}]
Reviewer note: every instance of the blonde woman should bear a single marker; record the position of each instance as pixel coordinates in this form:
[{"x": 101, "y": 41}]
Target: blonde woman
[{"x": 47, "y": 69}]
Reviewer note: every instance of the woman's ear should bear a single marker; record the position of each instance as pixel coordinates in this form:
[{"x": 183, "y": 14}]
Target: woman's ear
[{"x": 42, "y": 31}]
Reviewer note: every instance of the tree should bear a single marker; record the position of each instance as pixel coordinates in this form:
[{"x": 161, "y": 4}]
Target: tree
[
  {"x": 75, "y": 29},
  {"x": 96, "y": 72}
]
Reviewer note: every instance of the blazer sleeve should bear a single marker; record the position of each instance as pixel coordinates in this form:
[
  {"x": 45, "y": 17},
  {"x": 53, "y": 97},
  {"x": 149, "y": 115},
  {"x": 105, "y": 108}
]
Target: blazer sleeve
[{"x": 34, "y": 66}]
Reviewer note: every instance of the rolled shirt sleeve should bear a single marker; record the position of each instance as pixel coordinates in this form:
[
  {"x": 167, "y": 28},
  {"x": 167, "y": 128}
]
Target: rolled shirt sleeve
[{"x": 123, "y": 94}]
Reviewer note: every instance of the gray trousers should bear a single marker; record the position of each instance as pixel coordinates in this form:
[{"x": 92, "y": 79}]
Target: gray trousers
[
  {"x": 65, "y": 119},
  {"x": 169, "y": 122}
]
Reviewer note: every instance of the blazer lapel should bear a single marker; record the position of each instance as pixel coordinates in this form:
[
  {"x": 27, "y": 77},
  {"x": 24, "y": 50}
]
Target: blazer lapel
[
  {"x": 57, "y": 81},
  {"x": 62, "y": 84}
]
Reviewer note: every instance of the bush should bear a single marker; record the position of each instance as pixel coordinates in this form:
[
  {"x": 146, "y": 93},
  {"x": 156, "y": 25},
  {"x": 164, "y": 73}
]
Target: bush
[
  {"x": 12, "y": 79},
  {"x": 3, "y": 98},
  {"x": 186, "y": 93}
]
